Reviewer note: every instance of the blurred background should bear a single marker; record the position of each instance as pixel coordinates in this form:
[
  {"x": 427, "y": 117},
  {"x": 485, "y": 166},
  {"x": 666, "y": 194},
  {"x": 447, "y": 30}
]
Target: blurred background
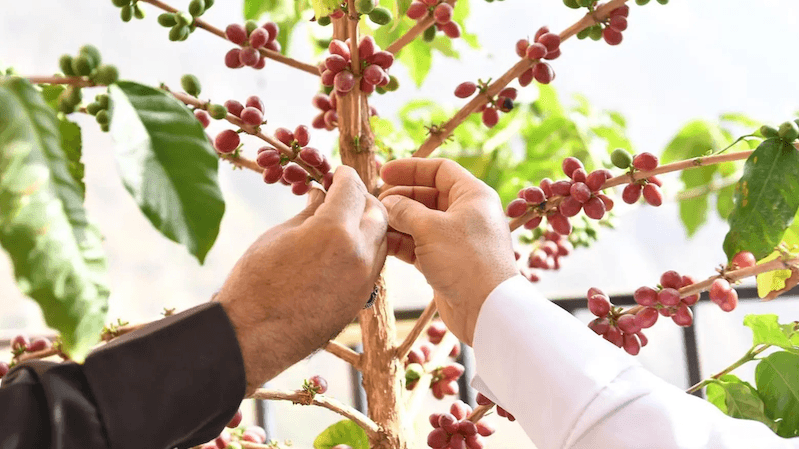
[{"x": 677, "y": 62}]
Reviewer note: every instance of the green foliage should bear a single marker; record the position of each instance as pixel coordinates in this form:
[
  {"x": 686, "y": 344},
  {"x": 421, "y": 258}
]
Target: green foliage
[
  {"x": 57, "y": 255},
  {"x": 342, "y": 432},
  {"x": 767, "y": 330},
  {"x": 777, "y": 380},
  {"x": 323, "y": 8},
  {"x": 765, "y": 199},
  {"x": 167, "y": 164},
  {"x": 72, "y": 145},
  {"x": 699, "y": 138},
  {"x": 738, "y": 399}
]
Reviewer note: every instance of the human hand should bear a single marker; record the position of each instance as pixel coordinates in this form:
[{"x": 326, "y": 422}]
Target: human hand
[
  {"x": 452, "y": 227},
  {"x": 301, "y": 282}
]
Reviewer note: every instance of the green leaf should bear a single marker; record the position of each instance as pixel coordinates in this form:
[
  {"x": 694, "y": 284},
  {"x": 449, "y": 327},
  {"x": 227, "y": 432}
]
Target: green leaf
[
  {"x": 167, "y": 164},
  {"x": 73, "y": 149},
  {"x": 693, "y": 213},
  {"x": 777, "y": 379},
  {"x": 418, "y": 58},
  {"x": 57, "y": 255},
  {"x": 767, "y": 330},
  {"x": 771, "y": 281},
  {"x": 51, "y": 94},
  {"x": 398, "y": 9},
  {"x": 765, "y": 199},
  {"x": 322, "y": 8},
  {"x": 724, "y": 201},
  {"x": 342, "y": 432},
  {"x": 738, "y": 399}
]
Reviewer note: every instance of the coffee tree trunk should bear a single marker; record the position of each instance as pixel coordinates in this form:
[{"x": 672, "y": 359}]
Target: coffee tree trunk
[{"x": 382, "y": 371}]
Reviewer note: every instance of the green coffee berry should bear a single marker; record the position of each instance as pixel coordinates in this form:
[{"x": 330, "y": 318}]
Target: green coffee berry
[
  {"x": 380, "y": 90},
  {"x": 596, "y": 33},
  {"x": 582, "y": 34},
  {"x": 196, "y": 8},
  {"x": 641, "y": 2},
  {"x": 66, "y": 65},
  {"x": 663, "y": 2},
  {"x": 126, "y": 13},
  {"x": 217, "y": 111},
  {"x": 393, "y": 84},
  {"x": 138, "y": 11},
  {"x": 102, "y": 100},
  {"x": 365, "y": 6},
  {"x": 573, "y": 4},
  {"x": 92, "y": 52},
  {"x": 93, "y": 108},
  {"x": 102, "y": 117},
  {"x": 74, "y": 95},
  {"x": 585, "y": 3},
  {"x": 208, "y": 4},
  {"x": 82, "y": 65},
  {"x": 105, "y": 128},
  {"x": 380, "y": 16},
  {"x": 768, "y": 132},
  {"x": 413, "y": 372},
  {"x": 106, "y": 74},
  {"x": 190, "y": 84},
  {"x": 167, "y": 19},
  {"x": 250, "y": 26},
  {"x": 324, "y": 21},
  {"x": 621, "y": 158},
  {"x": 429, "y": 34},
  {"x": 65, "y": 106},
  {"x": 120, "y": 3},
  {"x": 178, "y": 33},
  {"x": 184, "y": 18},
  {"x": 789, "y": 131},
  {"x": 327, "y": 89}
]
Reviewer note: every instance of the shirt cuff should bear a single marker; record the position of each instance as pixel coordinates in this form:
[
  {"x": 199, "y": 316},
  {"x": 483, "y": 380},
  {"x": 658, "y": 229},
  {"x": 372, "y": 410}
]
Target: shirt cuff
[{"x": 538, "y": 361}]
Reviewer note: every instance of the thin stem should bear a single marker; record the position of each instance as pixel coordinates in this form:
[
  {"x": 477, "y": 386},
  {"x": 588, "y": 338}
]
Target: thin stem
[
  {"x": 421, "y": 25},
  {"x": 479, "y": 412},
  {"x": 344, "y": 353},
  {"x": 79, "y": 81},
  {"x": 436, "y": 139},
  {"x": 424, "y": 319},
  {"x": 627, "y": 177},
  {"x": 704, "y": 190},
  {"x": 255, "y": 131},
  {"x": 750, "y": 355},
  {"x": 306, "y": 398},
  {"x": 312, "y": 69}
]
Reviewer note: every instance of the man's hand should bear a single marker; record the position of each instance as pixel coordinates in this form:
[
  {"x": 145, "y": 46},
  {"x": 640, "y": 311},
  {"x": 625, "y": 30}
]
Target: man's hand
[
  {"x": 301, "y": 282},
  {"x": 452, "y": 227}
]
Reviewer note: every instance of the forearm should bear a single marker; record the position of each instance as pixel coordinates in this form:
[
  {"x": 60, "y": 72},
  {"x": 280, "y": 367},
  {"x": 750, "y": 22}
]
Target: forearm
[
  {"x": 175, "y": 382},
  {"x": 570, "y": 389}
]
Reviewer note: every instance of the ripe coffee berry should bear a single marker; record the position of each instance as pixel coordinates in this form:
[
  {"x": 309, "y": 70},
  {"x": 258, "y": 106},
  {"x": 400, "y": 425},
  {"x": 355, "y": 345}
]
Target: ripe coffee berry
[
  {"x": 252, "y": 116},
  {"x": 631, "y": 193},
  {"x": 227, "y": 141},
  {"x": 652, "y": 195},
  {"x": 744, "y": 259},
  {"x": 236, "y": 420},
  {"x": 318, "y": 384},
  {"x": 645, "y": 161},
  {"x": 490, "y": 117},
  {"x": 543, "y": 73}
]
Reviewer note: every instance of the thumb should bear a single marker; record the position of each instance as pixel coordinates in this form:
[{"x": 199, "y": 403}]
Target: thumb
[
  {"x": 406, "y": 215},
  {"x": 315, "y": 199}
]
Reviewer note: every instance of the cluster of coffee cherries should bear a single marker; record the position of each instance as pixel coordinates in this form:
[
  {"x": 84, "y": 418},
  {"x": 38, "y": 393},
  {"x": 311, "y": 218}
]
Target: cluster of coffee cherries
[
  {"x": 609, "y": 30},
  {"x": 20, "y": 344},
  {"x": 327, "y": 117},
  {"x": 787, "y": 131},
  {"x": 129, "y": 9},
  {"x": 279, "y": 167},
  {"x": 99, "y": 109},
  {"x": 580, "y": 192},
  {"x": 490, "y": 110},
  {"x": 625, "y": 330},
  {"x": 251, "y": 113},
  {"x": 445, "y": 378},
  {"x": 337, "y": 72},
  {"x": 546, "y": 45},
  {"x": 454, "y": 430},
  {"x": 252, "y": 39},
  {"x": 377, "y": 14},
  {"x": 721, "y": 292},
  {"x": 182, "y": 23},
  {"x": 482, "y": 400},
  {"x": 441, "y": 12},
  {"x": 547, "y": 253},
  {"x": 234, "y": 434},
  {"x": 649, "y": 187},
  {"x": 87, "y": 63}
]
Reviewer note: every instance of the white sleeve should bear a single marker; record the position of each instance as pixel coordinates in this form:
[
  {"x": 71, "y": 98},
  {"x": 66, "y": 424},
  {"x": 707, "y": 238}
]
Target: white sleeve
[{"x": 569, "y": 388}]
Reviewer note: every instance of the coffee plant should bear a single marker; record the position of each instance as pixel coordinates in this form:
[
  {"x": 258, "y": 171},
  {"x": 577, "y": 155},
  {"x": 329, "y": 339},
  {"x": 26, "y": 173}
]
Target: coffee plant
[{"x": 566, "y": 187}]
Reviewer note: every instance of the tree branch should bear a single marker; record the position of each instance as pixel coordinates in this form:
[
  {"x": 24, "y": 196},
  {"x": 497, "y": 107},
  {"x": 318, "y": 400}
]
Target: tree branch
[
  {"x": 626, "y": 178},
  {"x": 344, "y": 353},
  {"x": 312, "y": 69},
  {"x": 306, "y": 398},
  {"x": 80, "y": 81},
  {"x": 436, "y": 139},
  {"x": 424, "y": 319},
  {"x": 479, "y": 412},
  {"x": 414, "y": 32}
]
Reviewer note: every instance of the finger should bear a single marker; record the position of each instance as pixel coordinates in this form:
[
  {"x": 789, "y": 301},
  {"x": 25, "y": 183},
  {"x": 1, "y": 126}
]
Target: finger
[
  {"x": 409, "y": 216},
  {"x": 346, "y": 197},
  {"x": 316, "y": 197},
  {"x": 428, "y": 196},
  {"x": 374, "y": 222},
  {"x": 401, "y": 246},
  {"x": 442, "y": 174}
]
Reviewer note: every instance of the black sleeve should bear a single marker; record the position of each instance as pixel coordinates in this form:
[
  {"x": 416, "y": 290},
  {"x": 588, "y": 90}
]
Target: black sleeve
[{"x": 173, "y": 383}]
